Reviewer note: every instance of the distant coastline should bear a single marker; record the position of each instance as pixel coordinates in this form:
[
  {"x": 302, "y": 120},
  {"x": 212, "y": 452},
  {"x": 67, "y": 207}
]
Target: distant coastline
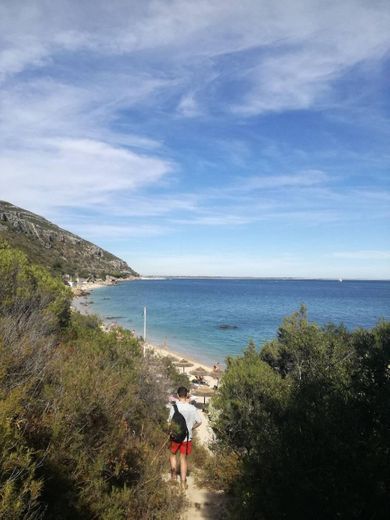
[
  {"x": 264, "y": 278},
  {"x": 84, "y": 288}
]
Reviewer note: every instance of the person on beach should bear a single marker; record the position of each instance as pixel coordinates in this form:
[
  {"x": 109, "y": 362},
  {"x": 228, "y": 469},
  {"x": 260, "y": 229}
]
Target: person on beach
[
  {"x": 193, "y": 420},
  {"x": 216, "y": 374}
]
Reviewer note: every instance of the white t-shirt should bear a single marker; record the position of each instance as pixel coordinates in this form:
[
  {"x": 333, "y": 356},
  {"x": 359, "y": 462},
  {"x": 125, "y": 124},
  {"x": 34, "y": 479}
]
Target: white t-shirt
[{"x": 190, "y": 414}]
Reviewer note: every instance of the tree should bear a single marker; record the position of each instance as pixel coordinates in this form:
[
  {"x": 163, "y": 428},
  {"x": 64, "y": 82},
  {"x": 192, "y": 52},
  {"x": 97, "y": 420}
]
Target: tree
[{"x": 309, "y": 416}]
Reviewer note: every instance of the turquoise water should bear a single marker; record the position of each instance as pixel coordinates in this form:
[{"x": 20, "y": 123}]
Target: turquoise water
[{"x": 210, "y": 319}]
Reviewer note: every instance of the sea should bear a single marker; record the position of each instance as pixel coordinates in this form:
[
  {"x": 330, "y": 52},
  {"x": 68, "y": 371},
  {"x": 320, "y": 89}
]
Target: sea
[{"x": 210, "y": 319}]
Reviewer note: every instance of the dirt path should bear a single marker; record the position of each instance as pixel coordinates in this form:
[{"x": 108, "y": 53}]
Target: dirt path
[{"x": 203, "y": 504}]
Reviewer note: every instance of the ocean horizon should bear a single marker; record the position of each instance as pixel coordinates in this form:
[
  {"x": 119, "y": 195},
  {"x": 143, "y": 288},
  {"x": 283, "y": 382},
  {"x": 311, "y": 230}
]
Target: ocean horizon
[
  {"x": 285, "y": 278},
  {"x": 209, "y": 319}
]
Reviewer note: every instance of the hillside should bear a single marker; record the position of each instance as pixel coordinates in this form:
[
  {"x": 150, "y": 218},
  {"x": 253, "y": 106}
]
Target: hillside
[{"x": 59, "y": 250}]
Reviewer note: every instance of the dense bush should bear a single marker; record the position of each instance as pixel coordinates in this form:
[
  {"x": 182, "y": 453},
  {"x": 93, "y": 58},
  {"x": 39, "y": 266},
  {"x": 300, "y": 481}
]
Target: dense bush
[
  {"x": 82, "y": 413},
  {"x": 308, "y": 419}
]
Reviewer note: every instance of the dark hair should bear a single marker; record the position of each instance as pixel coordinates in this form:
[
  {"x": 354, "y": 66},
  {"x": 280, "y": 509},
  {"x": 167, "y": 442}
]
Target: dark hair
[{"x": 182, "y": 391}]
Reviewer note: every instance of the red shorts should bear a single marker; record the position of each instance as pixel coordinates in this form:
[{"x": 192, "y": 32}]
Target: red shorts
[{"x": 184, "y": 447}]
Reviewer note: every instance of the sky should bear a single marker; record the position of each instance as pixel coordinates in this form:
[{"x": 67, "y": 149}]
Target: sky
[{"x": 216, "y": 137}]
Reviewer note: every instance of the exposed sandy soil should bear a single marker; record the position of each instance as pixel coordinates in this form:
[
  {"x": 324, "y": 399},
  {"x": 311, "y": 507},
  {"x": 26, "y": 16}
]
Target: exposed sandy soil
[{"x": 203, "y": 504}]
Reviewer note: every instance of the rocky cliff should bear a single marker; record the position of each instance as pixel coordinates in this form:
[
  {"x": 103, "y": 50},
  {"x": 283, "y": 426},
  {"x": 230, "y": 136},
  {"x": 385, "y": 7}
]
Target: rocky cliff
[{"x": 59, "y": 250}]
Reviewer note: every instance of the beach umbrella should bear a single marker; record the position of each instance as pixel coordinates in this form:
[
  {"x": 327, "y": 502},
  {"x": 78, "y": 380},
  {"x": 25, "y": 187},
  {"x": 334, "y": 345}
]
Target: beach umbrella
[
  {"x": 203, "y": 392},
  {"x": 199, "y": 372},
  {"x": 184, "y": 364}
]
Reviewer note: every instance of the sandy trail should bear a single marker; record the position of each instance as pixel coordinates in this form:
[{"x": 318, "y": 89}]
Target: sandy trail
[{"x": 203, "y": 504}]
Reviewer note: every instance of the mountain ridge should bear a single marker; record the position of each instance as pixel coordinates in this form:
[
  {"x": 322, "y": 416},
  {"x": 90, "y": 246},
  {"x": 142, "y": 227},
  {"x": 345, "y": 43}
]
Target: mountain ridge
[{"x": 61, "y": 251}]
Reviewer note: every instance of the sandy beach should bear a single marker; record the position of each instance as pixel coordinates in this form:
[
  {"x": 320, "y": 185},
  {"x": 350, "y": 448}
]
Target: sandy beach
[
  {"x": 86, "y": 287},
  {"x": 167, "y": 351},
  {"x": 81, "y": 303}
]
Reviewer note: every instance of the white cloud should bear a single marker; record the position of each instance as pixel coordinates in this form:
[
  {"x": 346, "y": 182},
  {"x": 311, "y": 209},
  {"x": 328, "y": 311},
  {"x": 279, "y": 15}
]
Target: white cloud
[
  {"x": 188, "y": 106},
  {"x": 45, "y": 106},
  {"x": 287, "y": 55},
  {"x": 118, "y": 232},
  {"x": 372, "y": 255},
  {"x": 302, "y": 179},
  {"x": 79, "y": 78},
  {"x": 218, "y": 219},
  {"x": 14, "y": 59},
  {"x": 75, "y": 172},
  {"x": 57, "y": 147},
  {"x": 159, "y": 205}
]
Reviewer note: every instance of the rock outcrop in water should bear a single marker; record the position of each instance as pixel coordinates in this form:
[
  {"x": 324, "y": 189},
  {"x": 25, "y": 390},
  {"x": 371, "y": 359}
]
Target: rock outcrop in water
[{"x": 226, "y": 326}]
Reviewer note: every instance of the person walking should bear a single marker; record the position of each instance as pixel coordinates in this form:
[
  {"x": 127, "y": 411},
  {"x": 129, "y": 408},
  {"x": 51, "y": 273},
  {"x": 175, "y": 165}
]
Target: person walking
[{"x": 181, "y": 442}]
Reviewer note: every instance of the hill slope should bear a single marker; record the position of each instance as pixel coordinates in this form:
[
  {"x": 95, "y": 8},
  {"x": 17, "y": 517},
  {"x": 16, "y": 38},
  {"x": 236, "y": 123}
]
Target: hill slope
[{"x": 59, "y": 250}]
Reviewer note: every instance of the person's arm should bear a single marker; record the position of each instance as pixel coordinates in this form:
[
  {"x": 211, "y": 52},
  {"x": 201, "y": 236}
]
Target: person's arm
[
  {"x": 170, "y": 414},
  {"x": 198, "y": 419}
]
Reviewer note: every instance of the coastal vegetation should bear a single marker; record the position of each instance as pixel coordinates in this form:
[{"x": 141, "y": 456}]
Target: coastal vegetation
[
  {"x": 303, "y": 425},
  {"x": 82, "y": 413}
]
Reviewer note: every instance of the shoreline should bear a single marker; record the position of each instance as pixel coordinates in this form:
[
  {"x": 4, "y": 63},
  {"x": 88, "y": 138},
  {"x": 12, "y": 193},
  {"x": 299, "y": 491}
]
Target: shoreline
[
  {"x": 204, "y": 433},
  {"x": 80, "y": 303},
  {"x": 86, "y": 287},
  {"x": 166, "y": 351}
]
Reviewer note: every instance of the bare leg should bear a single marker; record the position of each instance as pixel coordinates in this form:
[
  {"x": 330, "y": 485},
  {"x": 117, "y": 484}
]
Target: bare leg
[
  {"x": 172, "y": 460},
  {"x": 183, "y": 467}
]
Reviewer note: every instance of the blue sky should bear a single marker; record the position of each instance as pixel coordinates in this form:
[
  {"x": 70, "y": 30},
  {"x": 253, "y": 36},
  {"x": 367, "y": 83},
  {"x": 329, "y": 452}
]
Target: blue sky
[{"x": 212, "y": 137}]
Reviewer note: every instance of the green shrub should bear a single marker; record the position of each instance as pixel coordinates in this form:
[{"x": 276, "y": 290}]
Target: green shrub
[
  {"x": 19, "y": 485},
  {"x": 308, "y": 416},
  {"x": 82, "y": 413}
]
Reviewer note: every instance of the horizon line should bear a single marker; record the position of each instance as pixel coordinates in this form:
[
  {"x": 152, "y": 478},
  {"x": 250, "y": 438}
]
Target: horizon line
[{"x": 296, "y": 278}]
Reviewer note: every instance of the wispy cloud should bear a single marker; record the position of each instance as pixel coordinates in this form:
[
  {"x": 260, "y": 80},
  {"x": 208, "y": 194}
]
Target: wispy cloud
[
  {"x": 58, "y": 148},
  {"x": 164, "y": 115},
  {"x": 75, "y": 172},
  {"x": 294, "y": 51},
  {"x": 188, "y": 106},
  {"x": 363, "y": 255},
  {"x": 120, "y": 232},
  {"x": 302, "y": 179}
]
